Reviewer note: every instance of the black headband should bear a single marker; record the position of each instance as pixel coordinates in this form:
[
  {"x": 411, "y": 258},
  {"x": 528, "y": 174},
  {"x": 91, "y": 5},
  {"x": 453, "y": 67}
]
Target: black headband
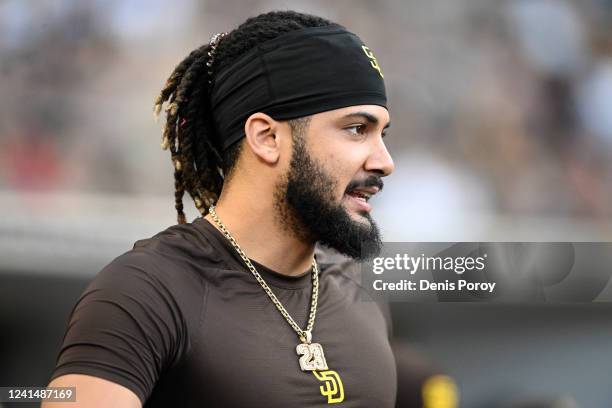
[{"x": 300, "y": 73}]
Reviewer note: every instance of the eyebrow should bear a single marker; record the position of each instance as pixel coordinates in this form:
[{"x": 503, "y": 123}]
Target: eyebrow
[{"x": 368, "y": 117}]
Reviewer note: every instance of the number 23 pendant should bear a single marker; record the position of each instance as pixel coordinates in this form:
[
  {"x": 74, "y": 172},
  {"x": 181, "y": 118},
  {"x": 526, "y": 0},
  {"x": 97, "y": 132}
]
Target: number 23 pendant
[{"x": 311, "y": 355}]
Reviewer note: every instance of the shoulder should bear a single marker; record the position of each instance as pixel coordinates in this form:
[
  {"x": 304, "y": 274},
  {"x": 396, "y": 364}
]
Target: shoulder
[
  {"x": 178, "y": 243},
  {"x": 135, "y": 320},
  {"x": 164, "y": 271},
  {"x": 179, "y": 253}
]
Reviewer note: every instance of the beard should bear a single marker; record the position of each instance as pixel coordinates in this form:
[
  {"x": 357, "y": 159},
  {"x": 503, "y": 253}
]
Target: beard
[{"x": 304, "y": 201}]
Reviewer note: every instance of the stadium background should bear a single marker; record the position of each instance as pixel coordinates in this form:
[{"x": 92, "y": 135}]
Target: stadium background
[{"x": 501, "y": 131}]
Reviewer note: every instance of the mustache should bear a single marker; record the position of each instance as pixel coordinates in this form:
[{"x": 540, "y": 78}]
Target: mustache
[{"x": 370, "y": 181}]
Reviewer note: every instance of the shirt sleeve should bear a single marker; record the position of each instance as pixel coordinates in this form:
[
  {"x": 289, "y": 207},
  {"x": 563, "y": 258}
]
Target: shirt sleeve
[{"x": 127, "y": 327}]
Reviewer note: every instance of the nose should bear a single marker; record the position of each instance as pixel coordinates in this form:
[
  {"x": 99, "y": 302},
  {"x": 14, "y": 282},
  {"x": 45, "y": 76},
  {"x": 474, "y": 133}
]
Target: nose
[{"x": 380, "y": 160}]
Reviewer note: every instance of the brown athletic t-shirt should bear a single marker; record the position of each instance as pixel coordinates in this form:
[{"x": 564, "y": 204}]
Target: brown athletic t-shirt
[{"x": 181, "y": 321}]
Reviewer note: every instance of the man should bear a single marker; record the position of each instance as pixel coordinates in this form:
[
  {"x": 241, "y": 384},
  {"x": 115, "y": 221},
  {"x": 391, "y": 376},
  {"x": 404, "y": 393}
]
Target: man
[{"x": 276, "y": 132}]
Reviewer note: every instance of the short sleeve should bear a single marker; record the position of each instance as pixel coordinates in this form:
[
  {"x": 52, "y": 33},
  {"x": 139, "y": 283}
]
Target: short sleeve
[{"x": 127, "y": 326}]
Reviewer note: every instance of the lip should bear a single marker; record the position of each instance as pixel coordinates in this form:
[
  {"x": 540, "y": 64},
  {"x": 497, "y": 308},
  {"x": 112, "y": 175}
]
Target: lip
[
  {"x": 357, "y": 204},
  {"x": 369, "y": 190}
]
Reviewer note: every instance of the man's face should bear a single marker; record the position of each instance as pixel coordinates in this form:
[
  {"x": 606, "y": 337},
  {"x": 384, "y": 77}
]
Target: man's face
[{"x": 337, "y": 164}]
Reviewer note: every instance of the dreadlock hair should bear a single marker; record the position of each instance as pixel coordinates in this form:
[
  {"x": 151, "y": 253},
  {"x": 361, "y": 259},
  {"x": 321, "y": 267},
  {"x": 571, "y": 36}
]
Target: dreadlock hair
[{"x": 200, "y": 165}]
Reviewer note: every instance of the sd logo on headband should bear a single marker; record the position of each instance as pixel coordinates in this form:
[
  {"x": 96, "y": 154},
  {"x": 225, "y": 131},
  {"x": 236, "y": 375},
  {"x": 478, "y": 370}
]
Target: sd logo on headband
[{"x": 373, "y": 60}]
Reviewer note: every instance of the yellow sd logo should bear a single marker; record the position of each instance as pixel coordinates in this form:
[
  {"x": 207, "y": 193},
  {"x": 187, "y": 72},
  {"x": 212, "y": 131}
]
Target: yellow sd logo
[
  {"x": 333, "y": 389},
  {"x": 373, "y": 60}
]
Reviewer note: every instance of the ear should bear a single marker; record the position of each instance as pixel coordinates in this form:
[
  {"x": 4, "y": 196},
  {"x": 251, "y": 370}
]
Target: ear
[{"x": 261, "y": 136}]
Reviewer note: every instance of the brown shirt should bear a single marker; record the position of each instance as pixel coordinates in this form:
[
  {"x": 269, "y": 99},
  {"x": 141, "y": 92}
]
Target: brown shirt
[{"x": 181, "y": 321}]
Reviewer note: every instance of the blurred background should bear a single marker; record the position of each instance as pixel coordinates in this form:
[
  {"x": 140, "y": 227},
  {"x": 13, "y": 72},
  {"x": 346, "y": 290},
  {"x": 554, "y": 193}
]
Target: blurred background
[{"x": 501, "y": 131}]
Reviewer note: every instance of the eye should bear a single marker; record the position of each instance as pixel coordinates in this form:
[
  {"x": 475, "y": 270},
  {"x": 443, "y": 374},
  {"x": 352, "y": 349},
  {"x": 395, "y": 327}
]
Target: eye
[{"x": 357, "y": 129}]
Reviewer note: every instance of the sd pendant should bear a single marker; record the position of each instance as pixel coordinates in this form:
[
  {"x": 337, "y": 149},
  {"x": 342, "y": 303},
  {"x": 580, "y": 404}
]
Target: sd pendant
[{"x": 311, "y": 356}]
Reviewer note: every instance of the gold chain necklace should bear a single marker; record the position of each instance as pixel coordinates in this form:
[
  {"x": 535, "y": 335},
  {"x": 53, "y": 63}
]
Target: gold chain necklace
[{"x": 311, "y": 354}]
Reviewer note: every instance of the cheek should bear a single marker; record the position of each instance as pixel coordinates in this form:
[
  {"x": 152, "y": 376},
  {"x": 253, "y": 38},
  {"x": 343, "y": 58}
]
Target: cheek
[
  {"x": 342, "y": 163},
  {"x": 334, "y": 172},
  {"x": 341, "y": 172}
]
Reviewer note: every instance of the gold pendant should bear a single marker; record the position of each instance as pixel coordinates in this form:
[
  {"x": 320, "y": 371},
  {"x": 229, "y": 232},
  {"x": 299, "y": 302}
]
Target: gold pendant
[{"x": 311, "y": 356}]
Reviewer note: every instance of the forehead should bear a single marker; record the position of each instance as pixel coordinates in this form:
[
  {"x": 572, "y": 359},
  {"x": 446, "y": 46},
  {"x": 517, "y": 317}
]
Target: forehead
[{"x": 374, "y": 114}]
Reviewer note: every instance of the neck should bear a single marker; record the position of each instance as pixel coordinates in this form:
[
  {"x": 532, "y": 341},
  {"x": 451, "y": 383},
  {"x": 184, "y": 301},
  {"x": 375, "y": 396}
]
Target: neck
[{"x": 260, "y": 235}]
